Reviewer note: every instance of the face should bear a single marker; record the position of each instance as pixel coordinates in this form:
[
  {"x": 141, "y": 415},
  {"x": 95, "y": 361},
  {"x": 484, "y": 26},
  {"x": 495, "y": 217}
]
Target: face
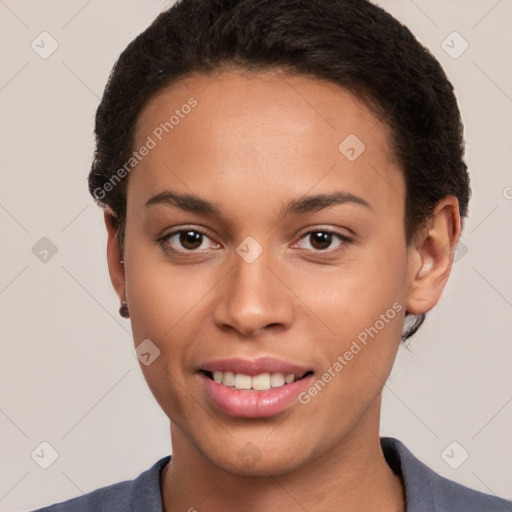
[{"x": 265, "y": 248}]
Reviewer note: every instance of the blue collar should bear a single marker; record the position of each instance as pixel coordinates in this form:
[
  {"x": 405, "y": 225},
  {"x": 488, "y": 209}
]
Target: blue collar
[{"x": 425, "y": 490}]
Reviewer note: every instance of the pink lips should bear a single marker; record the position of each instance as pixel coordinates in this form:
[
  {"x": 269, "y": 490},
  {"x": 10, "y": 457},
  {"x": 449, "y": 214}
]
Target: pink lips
[
  {"x": 255, "y": 367},
  {"x": 250, "y": 403}
]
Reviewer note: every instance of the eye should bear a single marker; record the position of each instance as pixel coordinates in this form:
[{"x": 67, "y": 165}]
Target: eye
[
  {"x": 322, "y": 240},
  {"x": 187, "y": 240}
]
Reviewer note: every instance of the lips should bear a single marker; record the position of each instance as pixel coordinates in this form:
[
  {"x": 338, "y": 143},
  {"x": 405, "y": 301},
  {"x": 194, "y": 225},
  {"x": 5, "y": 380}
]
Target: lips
[
  {"x": 254, "y": 367},
  {"x": 253, "y": 388}
]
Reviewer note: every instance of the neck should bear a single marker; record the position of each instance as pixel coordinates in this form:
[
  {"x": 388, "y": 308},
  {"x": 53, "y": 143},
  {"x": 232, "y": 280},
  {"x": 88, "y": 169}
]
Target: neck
[{"x": 353, "y": 476}]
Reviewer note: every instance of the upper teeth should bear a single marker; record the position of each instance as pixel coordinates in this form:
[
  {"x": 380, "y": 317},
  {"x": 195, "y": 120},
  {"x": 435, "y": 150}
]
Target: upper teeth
[{"x": 261, "y": 382}]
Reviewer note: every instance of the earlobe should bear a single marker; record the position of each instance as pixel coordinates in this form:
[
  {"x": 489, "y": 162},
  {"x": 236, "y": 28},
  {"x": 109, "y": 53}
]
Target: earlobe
[
  {"x": 114, "y": 254},
  {"x": 431, "y": 256}
]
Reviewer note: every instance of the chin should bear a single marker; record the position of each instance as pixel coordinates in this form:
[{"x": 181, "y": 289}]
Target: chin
[
  {"x": 261, "y": 453},
  {"x": 266, "y": 464}
]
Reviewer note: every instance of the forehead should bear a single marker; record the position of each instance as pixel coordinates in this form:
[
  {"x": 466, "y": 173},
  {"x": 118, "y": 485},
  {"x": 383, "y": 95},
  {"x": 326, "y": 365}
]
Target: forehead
[{"x": 262, "y": 133}]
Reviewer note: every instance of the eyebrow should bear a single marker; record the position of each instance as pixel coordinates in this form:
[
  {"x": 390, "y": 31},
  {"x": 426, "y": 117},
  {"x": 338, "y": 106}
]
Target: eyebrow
[
  {"x": 306, "y": 204},
  {"x": 188, "y": 202},
  {"x": 300, "y": 205}
]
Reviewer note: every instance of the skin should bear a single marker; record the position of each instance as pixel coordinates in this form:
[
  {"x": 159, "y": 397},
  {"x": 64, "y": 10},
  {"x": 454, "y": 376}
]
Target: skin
[{"x": 254, "y": 142}]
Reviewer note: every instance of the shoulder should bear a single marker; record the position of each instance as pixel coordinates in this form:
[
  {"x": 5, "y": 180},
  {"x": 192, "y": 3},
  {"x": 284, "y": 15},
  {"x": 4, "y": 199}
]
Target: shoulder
[
  {"x": 114, "y": 497},
  {"x": 142, "y": 493},
  {"x": 426, "y": 491}
]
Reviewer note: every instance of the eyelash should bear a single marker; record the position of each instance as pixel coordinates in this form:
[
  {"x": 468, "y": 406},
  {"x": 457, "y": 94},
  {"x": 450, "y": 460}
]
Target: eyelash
[
  {"x": 164, "y": 241},
  {"x": 342, "y": 238}
]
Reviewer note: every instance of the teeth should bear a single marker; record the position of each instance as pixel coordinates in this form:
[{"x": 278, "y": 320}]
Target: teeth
[
  {"x": 261, "y": 382},
  {"x": 242, "y": 381},
  {"x": 277, "y": 379},
  {"x": 228, "y": 379}
]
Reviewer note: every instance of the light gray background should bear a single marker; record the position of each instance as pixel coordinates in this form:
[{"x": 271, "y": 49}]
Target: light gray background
[{"x": 68, "y": 374}]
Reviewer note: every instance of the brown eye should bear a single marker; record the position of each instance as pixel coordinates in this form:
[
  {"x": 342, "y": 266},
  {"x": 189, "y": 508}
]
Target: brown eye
[
  {"x": 187, "y": 240},
  {"x": 190, "y": 239},
  {"x": 320, "y": 240}
]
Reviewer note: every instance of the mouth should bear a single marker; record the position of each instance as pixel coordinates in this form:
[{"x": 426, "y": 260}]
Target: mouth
[
  {"x": 253, "y": 388},
  {"x": 261, "y": 382}
]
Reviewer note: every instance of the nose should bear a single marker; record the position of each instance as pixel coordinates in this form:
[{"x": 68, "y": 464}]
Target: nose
[{"x": 253, "y": 298}]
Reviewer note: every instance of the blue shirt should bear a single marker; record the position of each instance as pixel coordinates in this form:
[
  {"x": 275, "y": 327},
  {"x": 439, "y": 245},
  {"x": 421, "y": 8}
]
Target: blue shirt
[{"x": 425, "y": 490}]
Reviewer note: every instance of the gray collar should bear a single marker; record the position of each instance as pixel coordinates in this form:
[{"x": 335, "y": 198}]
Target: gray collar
[{"x": 425, "y": 490}]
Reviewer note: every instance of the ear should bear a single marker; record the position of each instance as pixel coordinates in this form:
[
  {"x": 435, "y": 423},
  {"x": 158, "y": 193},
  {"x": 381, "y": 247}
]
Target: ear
[
  {"x": 114, "y": 254},
  {"x": 431, "y": 256}
]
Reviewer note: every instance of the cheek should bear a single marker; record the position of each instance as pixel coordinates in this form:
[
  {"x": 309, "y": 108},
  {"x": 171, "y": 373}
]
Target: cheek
[
  {"x": 163, "y": 297},
  {"x": 170, "y": 310},
  {"x": 362, "y": 305},
  {"x": 353, "y": 296},
  {"x": 165, "y": 303},
  {"x": 167, "y": 308},
  {"x": 356, "y": 359}
]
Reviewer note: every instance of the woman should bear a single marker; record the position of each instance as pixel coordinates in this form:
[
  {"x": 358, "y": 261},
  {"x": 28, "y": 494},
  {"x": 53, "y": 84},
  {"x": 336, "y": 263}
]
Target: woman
[{"x": 284, "y": 186}]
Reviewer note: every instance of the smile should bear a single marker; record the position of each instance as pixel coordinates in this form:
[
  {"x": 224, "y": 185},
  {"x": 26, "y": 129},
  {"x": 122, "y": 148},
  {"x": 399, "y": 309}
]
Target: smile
[
  {"x": 257, "y": 388},
  {"x": 260, "y": 382}
]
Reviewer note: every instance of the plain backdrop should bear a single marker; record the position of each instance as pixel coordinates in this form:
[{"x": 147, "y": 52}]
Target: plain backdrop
[{"x": 68, "y": 374}]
